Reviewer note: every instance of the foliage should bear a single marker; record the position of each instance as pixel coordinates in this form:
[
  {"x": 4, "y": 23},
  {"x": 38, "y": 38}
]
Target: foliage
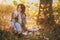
[
  {"x": 15, "y": 3},
  {"x": 6, "y": 9},
  {"x": 59, "y": 7}
]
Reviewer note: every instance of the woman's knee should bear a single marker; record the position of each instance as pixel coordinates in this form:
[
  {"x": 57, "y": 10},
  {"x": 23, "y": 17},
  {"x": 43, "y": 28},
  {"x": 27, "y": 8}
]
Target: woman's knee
[{"x": 17, "y": 24}]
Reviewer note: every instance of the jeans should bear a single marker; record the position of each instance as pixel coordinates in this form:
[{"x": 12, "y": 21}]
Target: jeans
[{"x": 17, "y": 27}]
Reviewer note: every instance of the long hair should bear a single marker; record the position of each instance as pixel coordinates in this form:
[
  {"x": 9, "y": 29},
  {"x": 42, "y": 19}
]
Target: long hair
[{"x": 22, "y": 7}]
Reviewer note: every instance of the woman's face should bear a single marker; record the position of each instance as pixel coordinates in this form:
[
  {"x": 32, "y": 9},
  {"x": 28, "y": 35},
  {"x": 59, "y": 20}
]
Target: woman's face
[{"x": 19, "y": 9}]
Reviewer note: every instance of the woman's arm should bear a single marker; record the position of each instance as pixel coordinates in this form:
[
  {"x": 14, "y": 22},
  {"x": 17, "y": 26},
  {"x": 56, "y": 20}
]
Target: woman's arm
[
  {"x": 13, "y": 16},
  {"x": 24, "y": 19}
]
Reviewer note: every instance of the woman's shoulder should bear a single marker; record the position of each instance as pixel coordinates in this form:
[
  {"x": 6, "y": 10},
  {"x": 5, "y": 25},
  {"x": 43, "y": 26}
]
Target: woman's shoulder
[{"x": 15, "y": 12}]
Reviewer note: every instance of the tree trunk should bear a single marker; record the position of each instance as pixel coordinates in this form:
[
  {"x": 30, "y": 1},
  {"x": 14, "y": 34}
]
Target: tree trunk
[{"x": 45, "y": 15}]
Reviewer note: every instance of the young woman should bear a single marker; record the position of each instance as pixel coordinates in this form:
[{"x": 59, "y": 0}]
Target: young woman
[{"x": 19, "y": 19}]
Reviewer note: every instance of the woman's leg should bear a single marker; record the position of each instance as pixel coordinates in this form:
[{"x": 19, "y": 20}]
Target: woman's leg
[
  {"x": 18, "y": 27},
  {"x": 13, "y": 25}
]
